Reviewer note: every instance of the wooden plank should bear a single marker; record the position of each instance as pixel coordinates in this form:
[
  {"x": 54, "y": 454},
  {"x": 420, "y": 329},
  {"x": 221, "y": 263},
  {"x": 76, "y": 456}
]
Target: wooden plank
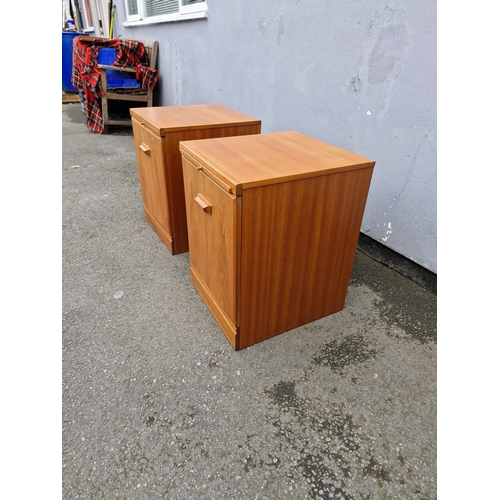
[{"x": 66, "y": 98}]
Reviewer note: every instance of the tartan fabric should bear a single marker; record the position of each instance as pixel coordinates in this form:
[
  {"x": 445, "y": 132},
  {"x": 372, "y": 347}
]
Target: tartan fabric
[
  {"x": 86, "y": 74},
  {"x": 146, "y": 76}
]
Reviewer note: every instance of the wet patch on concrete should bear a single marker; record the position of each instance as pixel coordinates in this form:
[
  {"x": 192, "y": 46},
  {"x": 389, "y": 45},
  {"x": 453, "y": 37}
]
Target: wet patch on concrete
[
  {"x": 283, "y": 394},
  {"x": 404, "y": 304},
  {"x": 327, "y": 445},
  {"x": 341, "y": 353},
  {"x": 340, "y": 423}
]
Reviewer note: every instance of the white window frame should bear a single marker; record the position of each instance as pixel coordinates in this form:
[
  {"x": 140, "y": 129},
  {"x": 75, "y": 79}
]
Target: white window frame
[{"x": 197, "y": 10}]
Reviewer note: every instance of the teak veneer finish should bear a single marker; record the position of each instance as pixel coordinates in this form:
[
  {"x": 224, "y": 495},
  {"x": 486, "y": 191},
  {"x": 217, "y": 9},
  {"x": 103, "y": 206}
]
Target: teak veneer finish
[
  {"x": 273, "y": 224},
  {"x": 157, "y": 133}
]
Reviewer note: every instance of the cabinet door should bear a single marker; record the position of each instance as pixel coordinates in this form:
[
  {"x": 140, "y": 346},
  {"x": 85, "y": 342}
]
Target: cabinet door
[
  {"x": 149, "y": 150},
  {"x": 212, "y": 230}
]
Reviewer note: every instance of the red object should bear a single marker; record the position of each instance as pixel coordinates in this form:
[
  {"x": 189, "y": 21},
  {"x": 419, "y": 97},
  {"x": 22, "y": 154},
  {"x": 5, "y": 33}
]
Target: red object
[{"x": 86, "y": 74}]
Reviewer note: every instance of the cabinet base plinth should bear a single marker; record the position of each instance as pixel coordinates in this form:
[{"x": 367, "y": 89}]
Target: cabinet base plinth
[
  {"x": 230, "y": 331},
  {"x": 163, "y": 235},
  {"x": 237, "y": 338}
]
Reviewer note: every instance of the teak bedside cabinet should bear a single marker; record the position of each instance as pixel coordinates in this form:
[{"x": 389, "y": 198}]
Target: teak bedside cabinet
[
  {"x": 157, "y": 132},
  {"x": 273, "y": 224}
]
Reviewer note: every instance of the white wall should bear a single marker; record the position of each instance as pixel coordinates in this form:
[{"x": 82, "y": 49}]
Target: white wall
[{"x": 359, "y": 75}]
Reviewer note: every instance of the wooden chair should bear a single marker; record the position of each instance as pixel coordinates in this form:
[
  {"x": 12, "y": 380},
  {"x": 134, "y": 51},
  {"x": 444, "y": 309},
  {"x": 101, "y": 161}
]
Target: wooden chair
[{"x": 129, "y": 95}]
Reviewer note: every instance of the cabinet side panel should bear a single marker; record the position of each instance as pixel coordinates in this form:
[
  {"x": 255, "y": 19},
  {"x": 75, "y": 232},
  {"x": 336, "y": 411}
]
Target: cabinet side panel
[
  {"x": 175, "y": 180},
  {"x": 298, "y": 244}
]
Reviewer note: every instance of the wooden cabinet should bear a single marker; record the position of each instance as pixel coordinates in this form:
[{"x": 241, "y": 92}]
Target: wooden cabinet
[
  {"x": 273, "y": 224},
  {"x": 157, "y": 132}
]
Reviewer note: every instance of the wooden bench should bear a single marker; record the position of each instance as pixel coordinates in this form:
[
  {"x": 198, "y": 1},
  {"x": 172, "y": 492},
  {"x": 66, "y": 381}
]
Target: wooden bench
[{"x": 130, "y": 95}]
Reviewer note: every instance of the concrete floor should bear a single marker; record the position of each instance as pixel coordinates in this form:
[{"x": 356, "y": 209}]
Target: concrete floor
[{"x": 156, "y": 404}]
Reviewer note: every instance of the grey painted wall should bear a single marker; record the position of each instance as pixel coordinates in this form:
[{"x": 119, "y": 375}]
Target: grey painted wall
[{"x": 359, "y": 75}]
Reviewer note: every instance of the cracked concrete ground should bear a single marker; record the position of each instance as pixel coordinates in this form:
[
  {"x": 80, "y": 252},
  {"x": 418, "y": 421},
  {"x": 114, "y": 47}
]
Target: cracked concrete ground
[{"x": 156, "y": 404}]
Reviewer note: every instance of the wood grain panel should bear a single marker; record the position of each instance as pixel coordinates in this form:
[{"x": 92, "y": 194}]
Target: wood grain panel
[
  {"x": 212, "y": 237},
  {"x": 175, "y": 180},
  {"x": 162, "y": 119},
  {"x": 272, "y": 158},
  {"x": 298, "y": 246},
  {"x": 172, "y": 124},
  {"x": 226, "y": 325},
  {"x": 149, "y": 152}
]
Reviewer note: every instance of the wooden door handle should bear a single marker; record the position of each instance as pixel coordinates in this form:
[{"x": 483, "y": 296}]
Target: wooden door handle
[
  {"x": 206, "y": 207},
  {"x": 145, "y": 149}
]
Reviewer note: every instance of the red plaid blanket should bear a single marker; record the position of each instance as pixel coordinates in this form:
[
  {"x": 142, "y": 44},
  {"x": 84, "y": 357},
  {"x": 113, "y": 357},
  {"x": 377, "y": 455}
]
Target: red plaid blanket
[{"x": 86, "y": 74}]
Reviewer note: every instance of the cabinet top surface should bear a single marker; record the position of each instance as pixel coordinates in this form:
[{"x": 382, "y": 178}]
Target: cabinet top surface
[
  {"x": 175, "y": 118},
  {"x": 256, "y": 160}
]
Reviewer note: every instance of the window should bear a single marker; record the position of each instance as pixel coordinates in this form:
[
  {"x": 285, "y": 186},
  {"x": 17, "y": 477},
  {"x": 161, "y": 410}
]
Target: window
[{"x": 161, "y": 11}]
